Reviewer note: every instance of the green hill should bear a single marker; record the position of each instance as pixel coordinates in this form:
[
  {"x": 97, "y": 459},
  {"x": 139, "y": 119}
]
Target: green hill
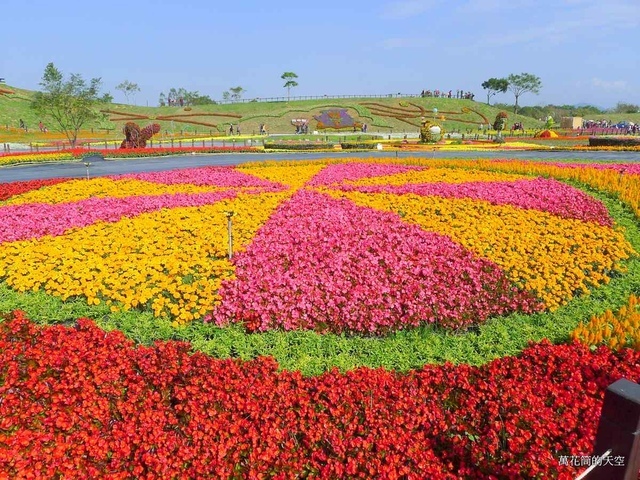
[{"x": 382, "y": 115}]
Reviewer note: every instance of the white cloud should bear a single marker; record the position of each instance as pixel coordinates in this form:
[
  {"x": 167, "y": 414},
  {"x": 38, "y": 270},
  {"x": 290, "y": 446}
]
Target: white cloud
[
  {"x": 588, "y": 19},
  {"x": 408, "y": 8},
  {"x": 617, "y": 85},
  {"x": 406, "y": 42},
  {"x": 474, "y": 7}
]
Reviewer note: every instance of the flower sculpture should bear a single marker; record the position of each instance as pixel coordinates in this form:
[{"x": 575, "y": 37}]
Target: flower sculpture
[
  {"x": 499, "y": 122},
  {"x": 430, "y": 132},
  {"x": 135, "y": 137}
]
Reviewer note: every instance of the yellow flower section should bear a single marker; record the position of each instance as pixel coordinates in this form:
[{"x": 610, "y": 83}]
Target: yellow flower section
[
  {"x": 615, "y": 330},
  {"x": 293, "y": 175},
  {"x": 435, "y": 175},
  {"x": 75, "y": 190},
  {"x": 35, "y": 157},
  {"x": 552, "y": 257},
  {"x": 491, "y": 146},
  {"x": 172, "y": 261}
]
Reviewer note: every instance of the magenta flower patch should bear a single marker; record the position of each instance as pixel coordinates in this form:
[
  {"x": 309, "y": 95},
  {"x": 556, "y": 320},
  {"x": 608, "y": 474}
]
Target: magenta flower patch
[
  {"x": 339, "y": 173},
  {"x": 216, "y": 176},
  {"x": 34, "y": 220},
  {"x": 547, "y": 195},
  {"x": 329, "y": 265}
]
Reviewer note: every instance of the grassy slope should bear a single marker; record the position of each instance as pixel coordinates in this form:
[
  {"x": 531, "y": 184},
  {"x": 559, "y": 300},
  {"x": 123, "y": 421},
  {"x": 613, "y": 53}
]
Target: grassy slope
[{"x": 276, "y": 115}]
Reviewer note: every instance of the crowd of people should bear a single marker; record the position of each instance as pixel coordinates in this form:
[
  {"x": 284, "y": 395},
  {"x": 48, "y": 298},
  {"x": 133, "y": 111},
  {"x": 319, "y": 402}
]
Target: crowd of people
[
  {"x": 628, "y": 126},
  {"x": 447, "y": 94},
  {"x": 596, "y": 123}
]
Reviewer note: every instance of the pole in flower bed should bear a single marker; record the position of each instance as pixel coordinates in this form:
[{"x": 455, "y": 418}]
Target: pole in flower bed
[
  {"x": 229, "y": 216},
  {"x": 87, "y": 164}
]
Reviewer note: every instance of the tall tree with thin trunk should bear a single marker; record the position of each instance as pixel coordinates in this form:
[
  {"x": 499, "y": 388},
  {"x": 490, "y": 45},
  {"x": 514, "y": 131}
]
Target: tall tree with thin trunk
[
  {"x": 70, "y": 104},
  {"x": 495, "y": 85},
  {"x": 128, "y": 88},
  {"x": 290, "y": 82},
  {"x": 236, "y": 92},
  {"x": 523, "y": 83}
]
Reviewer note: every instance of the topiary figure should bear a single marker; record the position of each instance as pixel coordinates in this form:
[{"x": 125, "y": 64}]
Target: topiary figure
[
  {"x": 549, "y": 122},
  {"x": 499, "y": 123},
  {"x": 430, "y": 132},
  {"x": 134, "y": 137}
]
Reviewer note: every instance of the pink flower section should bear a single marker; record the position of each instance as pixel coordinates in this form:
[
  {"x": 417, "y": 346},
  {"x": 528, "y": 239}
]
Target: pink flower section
[
  {"x": 328, "y": 265},
  {"x": 542, "y": 194},
  {"x": 355, "y": 171},
  {"x": 628, "y": 168},
  {"x": 215, "y": 176},
  {"x": 34, "y": 220}
]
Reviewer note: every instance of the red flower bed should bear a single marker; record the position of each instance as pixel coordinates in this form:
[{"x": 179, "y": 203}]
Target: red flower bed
[
  {"x": 82, "y": 403},
  {"x": 16, "y": 188}
]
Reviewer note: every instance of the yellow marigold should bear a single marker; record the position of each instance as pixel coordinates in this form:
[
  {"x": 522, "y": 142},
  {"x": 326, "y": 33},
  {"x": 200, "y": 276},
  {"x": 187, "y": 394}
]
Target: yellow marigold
[
  {"x": 172, "y": 261},
  {"x": 75, "y": 190},
  {"x": 616, "y": 330}
]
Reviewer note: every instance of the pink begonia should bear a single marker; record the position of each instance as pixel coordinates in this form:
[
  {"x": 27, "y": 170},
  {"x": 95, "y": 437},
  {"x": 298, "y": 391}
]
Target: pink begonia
[
  {"x": 628, "y": 168},
  {"x": 547, "y": 195},
  {"x": 34, "y": 220},
  {"x": 337, "y": 173},
  {"x": 218, "y": 176},
  {"x": 329, "y": 265}
]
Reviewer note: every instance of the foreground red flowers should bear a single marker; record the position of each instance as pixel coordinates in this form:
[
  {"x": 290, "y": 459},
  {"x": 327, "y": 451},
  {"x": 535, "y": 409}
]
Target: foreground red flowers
[
  {"x": 81, "y": 403},
  {"x": 8, "y": 190}
]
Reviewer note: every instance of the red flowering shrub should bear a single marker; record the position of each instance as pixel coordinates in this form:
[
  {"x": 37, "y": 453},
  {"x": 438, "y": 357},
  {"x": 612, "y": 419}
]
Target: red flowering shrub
[
  {"x": 16, "y": 188},
  {"x": 82, "y": 403}
]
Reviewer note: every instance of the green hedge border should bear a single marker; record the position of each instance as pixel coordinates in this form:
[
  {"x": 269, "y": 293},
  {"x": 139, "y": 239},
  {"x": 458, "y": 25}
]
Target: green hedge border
[{"x": 312, "y": 353}]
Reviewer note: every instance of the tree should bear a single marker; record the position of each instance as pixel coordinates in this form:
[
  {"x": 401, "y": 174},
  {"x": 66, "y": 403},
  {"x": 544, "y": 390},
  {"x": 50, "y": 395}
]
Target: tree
[
  {"x": 290, "y": 82},
  {"x": 236, "y": 92},
  {"x": 106, "y": 98},
  {"x": 623, "y": 107},
  {"x": 495, "y": 85},
  {"x": 523, "y": 83},
  {"x": 181, "y": 97},
  {"x": 70, "y": 104},
  {"x": 194, "y": 98},
  {"x": 128, "y": 88}
]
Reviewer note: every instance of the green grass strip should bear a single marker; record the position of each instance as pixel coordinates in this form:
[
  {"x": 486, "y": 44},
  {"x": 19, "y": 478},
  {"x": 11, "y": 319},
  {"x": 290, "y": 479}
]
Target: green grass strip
[{"x": 312, "y": 353}]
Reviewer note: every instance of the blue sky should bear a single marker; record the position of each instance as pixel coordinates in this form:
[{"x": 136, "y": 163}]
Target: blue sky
[{"x": 584, "y": 51}]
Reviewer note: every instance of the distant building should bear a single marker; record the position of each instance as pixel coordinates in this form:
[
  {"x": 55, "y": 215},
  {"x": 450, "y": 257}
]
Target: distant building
[{"x": 571, "y": 122}]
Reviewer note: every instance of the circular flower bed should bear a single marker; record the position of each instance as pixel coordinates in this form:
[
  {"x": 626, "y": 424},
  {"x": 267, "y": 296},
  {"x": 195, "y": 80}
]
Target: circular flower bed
[
  {"x": 383, "y": 258},
  {"x": 365, "y": 248}
]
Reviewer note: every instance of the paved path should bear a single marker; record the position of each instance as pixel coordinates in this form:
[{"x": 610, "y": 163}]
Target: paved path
[{"x": 14, "y": 173}]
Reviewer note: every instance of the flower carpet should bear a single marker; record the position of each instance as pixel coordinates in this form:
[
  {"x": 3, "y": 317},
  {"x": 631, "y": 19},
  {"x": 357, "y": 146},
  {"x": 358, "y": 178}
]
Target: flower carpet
[{"x": 389, "y": 270}]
